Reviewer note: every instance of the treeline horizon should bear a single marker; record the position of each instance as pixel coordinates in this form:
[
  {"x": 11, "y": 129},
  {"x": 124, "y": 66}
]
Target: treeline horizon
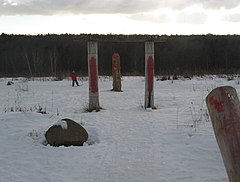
[{"x": 56, "y": 55}]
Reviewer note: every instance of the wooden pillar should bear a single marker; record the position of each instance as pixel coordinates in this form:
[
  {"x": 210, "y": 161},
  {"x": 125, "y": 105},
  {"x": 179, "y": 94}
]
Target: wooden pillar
[
  {"x": 149, "y": 75},
  {"x": 224, "y": 109},
  {"x": 93, "y": 76},
  {"x": 116, "y": 72}
]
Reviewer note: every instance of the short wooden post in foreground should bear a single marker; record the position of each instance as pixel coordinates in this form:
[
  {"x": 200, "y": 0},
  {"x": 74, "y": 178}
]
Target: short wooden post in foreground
[
  {"x": 93, "y": 76},
  {"x": 224, "y": 109},
  {"x": 116, "y": 72},
  {"x": 149, "y": 75}
]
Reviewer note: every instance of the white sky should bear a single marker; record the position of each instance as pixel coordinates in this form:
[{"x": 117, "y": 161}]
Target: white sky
[{"x": 120, "y": 16}]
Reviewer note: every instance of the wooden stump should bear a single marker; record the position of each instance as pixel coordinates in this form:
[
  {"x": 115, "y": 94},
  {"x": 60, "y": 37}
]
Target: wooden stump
[
  {"x": 224, "y": 109},
  {"x": 116, "y": 72},
  {"x": 93, "y": 76}
]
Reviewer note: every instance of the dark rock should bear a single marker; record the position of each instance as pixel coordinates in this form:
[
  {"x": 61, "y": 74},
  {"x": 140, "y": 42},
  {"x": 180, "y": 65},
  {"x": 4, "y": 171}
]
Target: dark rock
[
  {"x": 66, "y": 132},
  {"x": 10, "y": 83}
]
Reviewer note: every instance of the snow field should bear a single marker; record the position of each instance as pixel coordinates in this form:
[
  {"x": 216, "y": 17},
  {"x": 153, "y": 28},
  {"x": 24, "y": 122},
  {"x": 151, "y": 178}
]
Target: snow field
[{"x": 173, "y": 143}]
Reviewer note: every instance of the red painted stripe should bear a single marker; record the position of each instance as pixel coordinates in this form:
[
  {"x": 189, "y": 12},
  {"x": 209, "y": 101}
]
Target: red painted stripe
[
  {"x": 150, "y": 73},
  {"x": 93, "y": 75}
]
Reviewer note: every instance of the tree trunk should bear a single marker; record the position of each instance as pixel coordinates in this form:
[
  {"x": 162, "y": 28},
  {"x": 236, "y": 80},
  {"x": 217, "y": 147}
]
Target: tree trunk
[
  {"x": 224, "y": 109},
  {"x": 28, "y": 63}
]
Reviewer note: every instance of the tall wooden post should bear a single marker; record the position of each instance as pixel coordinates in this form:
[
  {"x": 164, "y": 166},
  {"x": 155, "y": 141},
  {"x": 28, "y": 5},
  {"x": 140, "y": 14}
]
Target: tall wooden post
[
  {"x": 93, "y": 76},
  {"x": 149, "y": 75},
  {"x": 116, "y": 72},
  {"x": 224, "y": 109}
]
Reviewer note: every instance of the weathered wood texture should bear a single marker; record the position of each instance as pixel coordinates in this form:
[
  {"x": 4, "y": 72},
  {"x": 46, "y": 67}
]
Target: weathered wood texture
[
  {"x": 149, "y": 75},
  {"x": 116, "y": 72},
  {"x": 93, "y": 76},
  {"x": 224, "y": 109}
]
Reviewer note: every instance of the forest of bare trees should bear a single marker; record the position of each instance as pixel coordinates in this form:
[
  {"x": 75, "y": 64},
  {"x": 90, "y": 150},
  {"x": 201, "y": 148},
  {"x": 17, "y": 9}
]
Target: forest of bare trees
[{"x": 53, "y": 55}]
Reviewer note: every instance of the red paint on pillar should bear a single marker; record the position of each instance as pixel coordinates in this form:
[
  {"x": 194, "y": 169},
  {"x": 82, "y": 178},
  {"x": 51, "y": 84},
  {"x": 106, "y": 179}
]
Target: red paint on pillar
[
  {"x": 217, "y": 104},
  {"x": 93, "y": 75},
  {"x": 116, "y": 64},
  {"x": 150, "y": 72},
  {"x": 224, "y": 109},
  {"x": 116, "y": 56}
]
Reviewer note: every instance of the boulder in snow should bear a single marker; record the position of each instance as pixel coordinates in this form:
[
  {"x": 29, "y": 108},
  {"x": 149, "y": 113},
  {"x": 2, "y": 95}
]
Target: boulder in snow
[
  {"x": 10, "y": 83},
  {"x": 66, "y": 132}
]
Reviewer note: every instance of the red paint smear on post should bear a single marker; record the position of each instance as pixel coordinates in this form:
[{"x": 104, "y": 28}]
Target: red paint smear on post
[
  {"x": 150, "y": 68},
  {"x": 217, "y": 104},
  {"x": 116, "y": 66},
  {"x": 228, "y": 126},
  {"x": 93, "y": 75},
  {"x": 116, "y": 56}
]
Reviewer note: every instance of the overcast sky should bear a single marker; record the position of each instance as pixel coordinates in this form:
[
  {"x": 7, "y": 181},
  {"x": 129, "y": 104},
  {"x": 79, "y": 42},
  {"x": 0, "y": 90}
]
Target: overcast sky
[{"x": 120, "y": 16}]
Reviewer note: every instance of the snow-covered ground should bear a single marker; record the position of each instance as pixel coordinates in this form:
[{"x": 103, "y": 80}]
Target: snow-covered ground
[{"x": 174, "y": 143}]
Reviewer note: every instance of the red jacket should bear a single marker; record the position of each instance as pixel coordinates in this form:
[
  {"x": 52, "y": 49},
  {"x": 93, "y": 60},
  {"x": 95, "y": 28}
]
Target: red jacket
[{"x": 73, "y": 75}]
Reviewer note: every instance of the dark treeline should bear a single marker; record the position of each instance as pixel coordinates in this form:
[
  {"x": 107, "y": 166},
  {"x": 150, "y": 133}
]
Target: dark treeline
[{"x": 54, "y": 55}]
